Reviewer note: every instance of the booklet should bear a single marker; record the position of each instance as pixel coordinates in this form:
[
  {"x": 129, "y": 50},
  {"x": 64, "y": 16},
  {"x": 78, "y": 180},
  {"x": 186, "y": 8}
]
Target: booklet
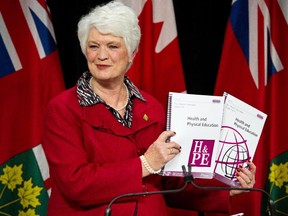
[
  {"x": 196, "y": 119},
  {"x": 217, "y": 135},
  {"x": 242, "y": 126}
]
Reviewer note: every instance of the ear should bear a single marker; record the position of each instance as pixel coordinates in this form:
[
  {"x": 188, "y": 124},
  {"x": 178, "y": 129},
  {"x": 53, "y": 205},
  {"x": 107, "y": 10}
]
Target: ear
[{"x": 132, "y": 56}]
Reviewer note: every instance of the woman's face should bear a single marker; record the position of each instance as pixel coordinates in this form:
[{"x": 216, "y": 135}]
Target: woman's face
[{"x": 107, "y": 56}]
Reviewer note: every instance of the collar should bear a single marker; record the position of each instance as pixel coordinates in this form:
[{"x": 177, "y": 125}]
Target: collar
[{"x": 86, "y": 96}]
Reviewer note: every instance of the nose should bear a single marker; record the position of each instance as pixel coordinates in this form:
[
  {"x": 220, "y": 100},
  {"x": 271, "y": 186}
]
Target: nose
[
  {"x": 102, "y": 58},
  {"x": 102, "y": 55}
]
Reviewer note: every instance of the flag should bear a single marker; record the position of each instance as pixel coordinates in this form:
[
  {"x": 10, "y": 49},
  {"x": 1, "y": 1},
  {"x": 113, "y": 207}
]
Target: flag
[
  {"x": 157, "y": 68},
  {"x": 23, "y": 191},
  {"x": 254, "y": 68},
  {"x": 30, "y": 75}
]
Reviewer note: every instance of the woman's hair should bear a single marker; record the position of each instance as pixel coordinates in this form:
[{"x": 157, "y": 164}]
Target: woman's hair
[{"x": 112, "y": 18}]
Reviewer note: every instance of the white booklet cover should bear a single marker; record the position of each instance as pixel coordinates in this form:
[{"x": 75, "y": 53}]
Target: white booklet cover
[
  {"x": 196, "y": 119},
  {"x": 242, "y": 126}
]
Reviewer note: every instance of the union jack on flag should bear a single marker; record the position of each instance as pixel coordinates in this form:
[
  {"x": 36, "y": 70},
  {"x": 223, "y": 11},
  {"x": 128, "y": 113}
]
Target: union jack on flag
[
  {"x": 41, "y": 30},
  {"x": 257, "y": 36}
]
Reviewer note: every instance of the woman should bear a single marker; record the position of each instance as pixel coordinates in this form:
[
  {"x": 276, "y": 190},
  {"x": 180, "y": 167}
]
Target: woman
[{"x": 104, "y": 137}]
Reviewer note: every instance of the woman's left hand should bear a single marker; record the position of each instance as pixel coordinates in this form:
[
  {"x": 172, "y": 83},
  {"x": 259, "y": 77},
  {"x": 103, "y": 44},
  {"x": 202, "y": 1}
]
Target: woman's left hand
[{"x": 246, "y": 178}]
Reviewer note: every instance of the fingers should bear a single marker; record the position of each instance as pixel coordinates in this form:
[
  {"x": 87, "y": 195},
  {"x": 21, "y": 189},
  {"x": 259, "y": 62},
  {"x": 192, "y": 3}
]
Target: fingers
[
  {"x": 161, "y": 151},
  {"x": 165, "y": 135},
  {"x": 246, "y": 176},
  {"x": 174, "y": 150},
  {"x": 171, "y": 148},
  {"x": 252, "y": 166}
]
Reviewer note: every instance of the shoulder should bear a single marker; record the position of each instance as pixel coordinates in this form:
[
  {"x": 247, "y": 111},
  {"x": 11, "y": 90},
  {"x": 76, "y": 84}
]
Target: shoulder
[
  {"x": 150, "y": 107},
  {"x": 65, "y": 99},
  {"x": 151, "y": 100}
]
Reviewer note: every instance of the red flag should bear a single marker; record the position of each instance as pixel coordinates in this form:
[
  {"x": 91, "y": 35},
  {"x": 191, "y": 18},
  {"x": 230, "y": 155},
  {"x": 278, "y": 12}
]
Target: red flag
[
  {"x": 30, "y": 75},
  {"x": 254, "y": 68},
  {"x": 157, "y": 68}
]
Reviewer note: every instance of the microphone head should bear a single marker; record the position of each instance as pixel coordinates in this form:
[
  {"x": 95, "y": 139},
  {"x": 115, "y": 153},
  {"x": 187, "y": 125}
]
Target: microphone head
[
  {"x": 272, "y": 208},
  {"x": 108, "y": 211}
]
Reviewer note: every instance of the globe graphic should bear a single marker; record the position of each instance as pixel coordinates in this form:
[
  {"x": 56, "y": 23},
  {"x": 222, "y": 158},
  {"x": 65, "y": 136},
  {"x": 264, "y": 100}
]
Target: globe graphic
[{"x": 234, "y": 151}]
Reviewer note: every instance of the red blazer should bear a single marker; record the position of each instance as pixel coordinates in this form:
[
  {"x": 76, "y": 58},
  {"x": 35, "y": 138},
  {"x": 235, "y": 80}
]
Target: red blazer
[{"x": 93, "y": 158}]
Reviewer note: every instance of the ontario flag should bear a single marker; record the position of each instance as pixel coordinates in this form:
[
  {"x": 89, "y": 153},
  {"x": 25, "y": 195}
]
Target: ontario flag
[
  {"x": 254, "y": 68},
  {"x": 30, "y": 75},
  {"x": 157, "y": 67}
]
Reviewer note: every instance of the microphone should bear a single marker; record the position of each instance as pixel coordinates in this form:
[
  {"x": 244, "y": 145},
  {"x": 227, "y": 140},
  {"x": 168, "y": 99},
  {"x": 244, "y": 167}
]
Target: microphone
[
  {"x": 108, "y": 209},
  {"x": 189, "y": 178}
]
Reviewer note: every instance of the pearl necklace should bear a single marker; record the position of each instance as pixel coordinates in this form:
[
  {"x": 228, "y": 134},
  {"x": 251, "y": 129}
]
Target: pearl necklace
[
  {"x": 127, "y": 96},
  {"x": 127, "y": 100}
]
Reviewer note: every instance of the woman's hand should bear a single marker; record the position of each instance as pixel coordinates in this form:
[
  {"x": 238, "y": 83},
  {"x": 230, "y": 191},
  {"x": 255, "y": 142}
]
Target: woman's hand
[
  {"x": 161, "y": 151},
  {"x": 246, "y": 178}
]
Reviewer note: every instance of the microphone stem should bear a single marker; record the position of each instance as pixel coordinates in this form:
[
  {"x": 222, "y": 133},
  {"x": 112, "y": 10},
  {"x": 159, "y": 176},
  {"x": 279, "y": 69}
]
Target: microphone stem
[
  {"x": 188, "y": 177},
  {"x": 108, "y": 210}
]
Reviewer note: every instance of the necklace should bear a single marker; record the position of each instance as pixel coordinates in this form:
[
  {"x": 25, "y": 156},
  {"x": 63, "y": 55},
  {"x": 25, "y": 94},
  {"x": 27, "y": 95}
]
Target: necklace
[
  {"x": 90, "y": 83},
  {"x": 127, "y": 96},
  {"x": 127, "y": 100}
]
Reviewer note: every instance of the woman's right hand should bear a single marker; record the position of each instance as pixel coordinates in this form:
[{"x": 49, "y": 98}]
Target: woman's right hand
[{"x": 161, "y": 150}]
